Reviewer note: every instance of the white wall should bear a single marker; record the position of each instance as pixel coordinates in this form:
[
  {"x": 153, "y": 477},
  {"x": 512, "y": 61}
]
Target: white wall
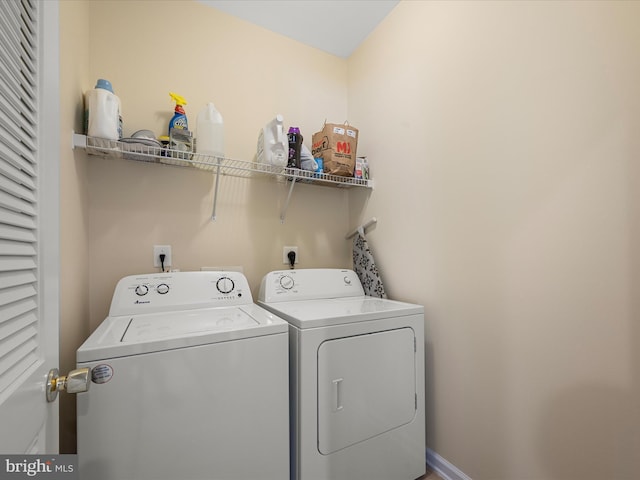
[{"x": 504, "y": 140}]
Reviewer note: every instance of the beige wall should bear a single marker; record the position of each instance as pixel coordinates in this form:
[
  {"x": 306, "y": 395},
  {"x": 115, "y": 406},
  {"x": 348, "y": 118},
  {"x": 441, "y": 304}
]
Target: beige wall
[
  {"x": 508, "y": 199},
  {"x": 114, "y": 211},
  {"x": 147, "y": 49},
  {"x": 74, "y": 203}
]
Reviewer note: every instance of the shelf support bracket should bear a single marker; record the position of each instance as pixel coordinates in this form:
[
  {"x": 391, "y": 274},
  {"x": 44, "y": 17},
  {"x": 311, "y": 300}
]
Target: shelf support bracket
[
  {"x": 215, "y": 190},
  {"x": 78, "y": 140},
  {"x": 286, "y": 203}
]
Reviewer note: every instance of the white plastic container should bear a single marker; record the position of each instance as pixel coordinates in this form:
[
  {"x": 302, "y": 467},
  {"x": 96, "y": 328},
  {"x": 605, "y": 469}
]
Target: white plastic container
[
  {"x": 210, "y": 132},
  {"x": 104, "y": 118},
  {"x": 273, "y": 144}
]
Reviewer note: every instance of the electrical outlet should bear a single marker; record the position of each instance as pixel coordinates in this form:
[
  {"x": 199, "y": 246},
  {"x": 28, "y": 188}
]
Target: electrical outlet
[
  {"x": 285, "y": 254},
  {"x": 157, "y": 251}
]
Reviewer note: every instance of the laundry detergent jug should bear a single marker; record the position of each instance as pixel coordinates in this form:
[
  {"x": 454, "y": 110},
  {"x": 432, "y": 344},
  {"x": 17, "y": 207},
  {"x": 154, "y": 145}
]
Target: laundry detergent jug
[
  {"x": 103, "y": 112},
  {"x": 273, "y": 144}
]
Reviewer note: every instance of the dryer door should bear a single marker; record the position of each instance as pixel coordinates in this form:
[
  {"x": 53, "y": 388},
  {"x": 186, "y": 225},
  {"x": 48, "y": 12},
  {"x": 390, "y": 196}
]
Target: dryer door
[{"x": 366, "y": 386}]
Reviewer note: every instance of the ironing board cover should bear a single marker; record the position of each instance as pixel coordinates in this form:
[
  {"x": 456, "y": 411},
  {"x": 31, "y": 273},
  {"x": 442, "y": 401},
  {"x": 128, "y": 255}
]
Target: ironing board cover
[{"x": 365, "y": 267}]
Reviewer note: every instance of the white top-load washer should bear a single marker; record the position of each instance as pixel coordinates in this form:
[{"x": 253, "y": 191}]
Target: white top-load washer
[
  {"x": 356, "y": 377},
  {"x": 190, "y": 381}
]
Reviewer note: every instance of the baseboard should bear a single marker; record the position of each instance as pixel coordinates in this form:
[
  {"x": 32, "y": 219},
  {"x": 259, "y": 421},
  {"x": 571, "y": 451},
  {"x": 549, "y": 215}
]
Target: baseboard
[{"x": 442, "y": 467}]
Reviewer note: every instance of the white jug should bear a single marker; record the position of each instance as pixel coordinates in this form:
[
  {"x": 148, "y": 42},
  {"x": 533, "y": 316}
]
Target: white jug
[
  {"x": 103, "y": 112},
  {"x": 210, "y": 132},
  {"x": 273, "y": 145}
]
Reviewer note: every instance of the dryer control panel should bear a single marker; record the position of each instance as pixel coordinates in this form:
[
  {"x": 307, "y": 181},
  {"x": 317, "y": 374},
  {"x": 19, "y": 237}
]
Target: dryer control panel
[
  {"x": 309, "y": 284},
  {"x": 159, "y": 292}
]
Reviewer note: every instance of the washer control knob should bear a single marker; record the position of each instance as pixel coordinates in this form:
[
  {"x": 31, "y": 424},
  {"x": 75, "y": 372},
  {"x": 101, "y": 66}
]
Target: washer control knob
[
  {"x": 162, "y": 288},
  {"x": 225, "y": 285},
  {"x": 287, "y": 282},
  {"x": 141, "y": 290}
]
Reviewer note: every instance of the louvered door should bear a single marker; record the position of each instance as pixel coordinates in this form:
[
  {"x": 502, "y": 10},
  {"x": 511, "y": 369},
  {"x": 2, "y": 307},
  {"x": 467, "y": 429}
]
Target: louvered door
[{"x": 29, "y": 162}]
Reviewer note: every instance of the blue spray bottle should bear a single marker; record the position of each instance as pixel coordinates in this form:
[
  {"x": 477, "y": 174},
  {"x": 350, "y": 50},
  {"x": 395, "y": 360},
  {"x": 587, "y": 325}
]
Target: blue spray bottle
[
  {"x": 180, "y": 138},
  {"x": 179, "y": 120}
]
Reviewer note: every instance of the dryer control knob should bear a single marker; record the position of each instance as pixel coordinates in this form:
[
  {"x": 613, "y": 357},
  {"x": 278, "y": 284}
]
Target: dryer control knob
[
  {"x": 287, "y": 282},
  {"x": 142, "y": 290},
  {"x": 225, "y": 285},
  {"x": 162, "y": 288}
]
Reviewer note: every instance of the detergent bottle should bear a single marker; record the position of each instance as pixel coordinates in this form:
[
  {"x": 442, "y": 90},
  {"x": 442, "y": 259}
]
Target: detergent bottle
[
  {"x": 103, "y": 112},
  {"x": 210, "y": 132},
  {"x": 273, "y": 143},
  {"x": 295, "y": 147}
]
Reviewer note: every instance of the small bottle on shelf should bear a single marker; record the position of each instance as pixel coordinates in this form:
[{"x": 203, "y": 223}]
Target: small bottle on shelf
[{"x": 295, "y": 146}]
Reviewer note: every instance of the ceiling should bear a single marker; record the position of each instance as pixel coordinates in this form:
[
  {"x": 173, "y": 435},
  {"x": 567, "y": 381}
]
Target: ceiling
[{"x": 334, "y": 26}]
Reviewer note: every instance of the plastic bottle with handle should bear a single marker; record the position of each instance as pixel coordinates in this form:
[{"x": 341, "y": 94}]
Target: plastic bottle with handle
[{"x": 210, "y": 132}]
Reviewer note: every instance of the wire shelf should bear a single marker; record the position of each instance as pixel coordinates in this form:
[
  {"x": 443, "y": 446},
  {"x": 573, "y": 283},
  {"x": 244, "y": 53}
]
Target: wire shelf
[
  {"x": 142, "y": 152},
  {"x": 225, "y": 166}
]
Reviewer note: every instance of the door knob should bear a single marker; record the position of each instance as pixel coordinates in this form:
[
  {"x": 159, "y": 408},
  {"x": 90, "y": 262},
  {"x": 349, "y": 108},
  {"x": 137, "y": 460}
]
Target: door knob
[{"x": 75, "y": 382}]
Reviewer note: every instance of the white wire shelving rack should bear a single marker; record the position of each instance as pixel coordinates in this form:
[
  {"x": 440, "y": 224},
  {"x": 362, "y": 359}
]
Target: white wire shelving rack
[{"x": 216, "y": 165}]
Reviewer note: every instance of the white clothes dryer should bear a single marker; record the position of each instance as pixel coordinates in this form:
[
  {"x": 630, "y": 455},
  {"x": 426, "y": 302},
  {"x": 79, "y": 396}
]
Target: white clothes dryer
[
  {"x": 190, "y": 381},
  {"x": 356, "y": 377}
]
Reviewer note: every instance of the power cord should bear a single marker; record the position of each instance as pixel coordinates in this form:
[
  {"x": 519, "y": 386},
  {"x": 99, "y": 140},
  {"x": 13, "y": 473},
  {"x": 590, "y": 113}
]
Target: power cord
[
  {"x": 162, "y": 257},
  {"x": 292, "y": 259}
]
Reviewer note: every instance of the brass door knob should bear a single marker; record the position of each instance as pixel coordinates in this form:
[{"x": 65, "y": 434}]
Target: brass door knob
[{"x": 75, "y": 382}]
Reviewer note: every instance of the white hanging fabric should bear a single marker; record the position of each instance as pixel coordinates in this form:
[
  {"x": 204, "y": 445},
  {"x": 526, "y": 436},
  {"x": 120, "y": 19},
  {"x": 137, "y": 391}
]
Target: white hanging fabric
[{"x": 365, "y": 267}]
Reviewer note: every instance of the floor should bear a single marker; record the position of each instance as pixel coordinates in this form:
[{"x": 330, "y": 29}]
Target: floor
[{"x": 430, "y": 475}]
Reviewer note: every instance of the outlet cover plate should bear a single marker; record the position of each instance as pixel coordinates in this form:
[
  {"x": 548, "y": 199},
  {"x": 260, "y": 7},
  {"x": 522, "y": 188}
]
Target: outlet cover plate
[
  {"x": 285, "y": 253},
  {"x": 159, "y": 249}
]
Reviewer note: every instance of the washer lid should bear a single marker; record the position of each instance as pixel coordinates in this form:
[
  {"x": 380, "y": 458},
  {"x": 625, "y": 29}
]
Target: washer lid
[
  {"x": 136, "y": 334},
  {"x": 337, "y": 311},
  {"x": 144, "y": 328}
]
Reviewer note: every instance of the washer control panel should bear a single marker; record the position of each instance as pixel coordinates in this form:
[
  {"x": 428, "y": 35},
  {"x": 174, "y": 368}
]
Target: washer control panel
[
  {"x": 178, "y": 291},
  {"x": 308, "y": 284}
]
